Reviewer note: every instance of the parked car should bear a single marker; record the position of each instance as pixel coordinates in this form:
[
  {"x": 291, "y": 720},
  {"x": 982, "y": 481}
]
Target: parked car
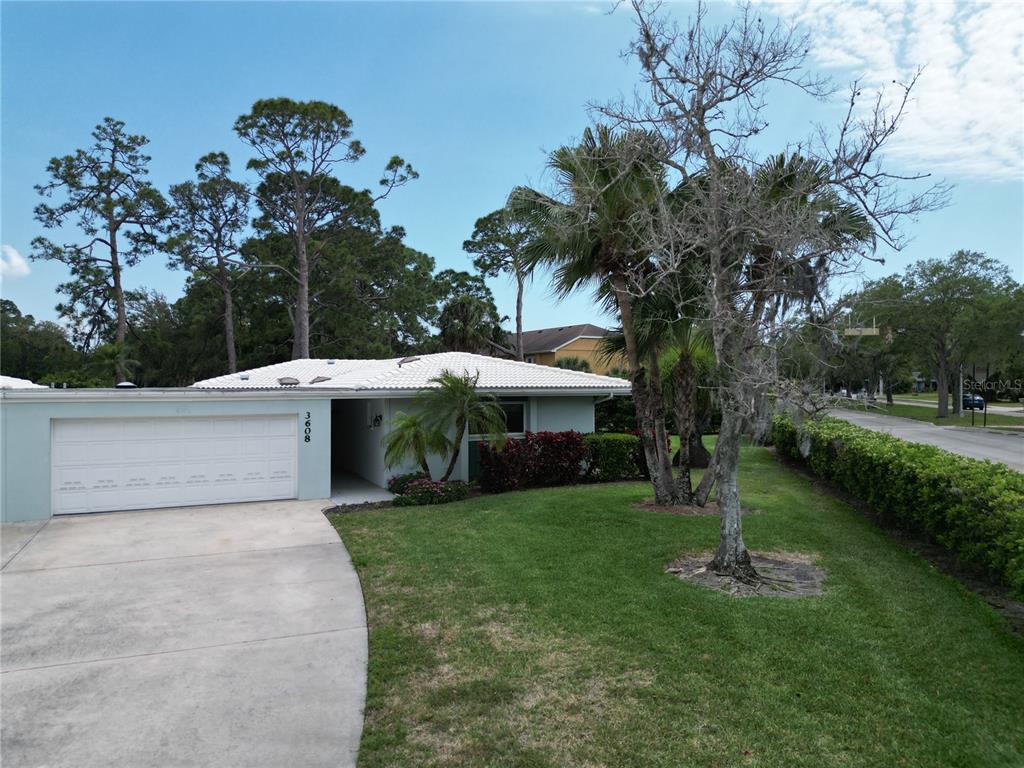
[{"x": 972, "y": 402}]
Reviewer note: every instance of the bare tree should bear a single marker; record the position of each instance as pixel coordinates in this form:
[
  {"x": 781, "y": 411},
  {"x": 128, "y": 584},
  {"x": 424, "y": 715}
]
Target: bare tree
[{"x": 757, "y": 253}]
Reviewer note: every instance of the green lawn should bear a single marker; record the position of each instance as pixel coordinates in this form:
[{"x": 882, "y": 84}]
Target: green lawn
[
  {"x": 918, "y": 413},
  {"x": 539, "y": 629}
]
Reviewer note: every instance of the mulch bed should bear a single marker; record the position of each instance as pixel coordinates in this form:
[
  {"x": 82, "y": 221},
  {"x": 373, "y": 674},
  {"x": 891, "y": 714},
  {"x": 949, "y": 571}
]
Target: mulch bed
[
  {"x": 781, "y": 574},
  {"x": 711, "y": 508}
]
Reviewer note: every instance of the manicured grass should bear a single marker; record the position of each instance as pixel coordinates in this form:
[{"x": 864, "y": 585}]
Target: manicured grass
[
  {"x": 918, "y": 413},
  {"x": 540, "y": 629}
]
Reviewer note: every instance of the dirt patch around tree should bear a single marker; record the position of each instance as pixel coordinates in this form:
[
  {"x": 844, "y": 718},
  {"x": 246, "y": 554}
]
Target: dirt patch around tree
[
  {"x": 782, "y": 574},
  {"x": 709, "y": 509}
]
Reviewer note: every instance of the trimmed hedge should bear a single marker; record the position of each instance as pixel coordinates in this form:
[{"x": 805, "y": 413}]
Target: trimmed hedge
[
  {"x": 973, "y": 508},
  {"x": 614, "y": 456},
  {"x": 426, "y": 491}
]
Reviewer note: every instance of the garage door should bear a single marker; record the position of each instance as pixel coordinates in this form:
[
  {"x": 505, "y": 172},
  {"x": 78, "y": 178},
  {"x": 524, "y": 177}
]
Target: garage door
[{"x": 102, "y": 465}]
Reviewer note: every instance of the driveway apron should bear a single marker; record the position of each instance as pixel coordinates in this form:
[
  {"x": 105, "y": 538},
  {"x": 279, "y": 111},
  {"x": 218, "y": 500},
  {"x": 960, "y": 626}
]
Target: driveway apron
[{"x": 205, "y": 636}]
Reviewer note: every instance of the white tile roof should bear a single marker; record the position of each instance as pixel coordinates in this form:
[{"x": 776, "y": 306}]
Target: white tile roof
[
  {"x": 413, "y": 374},
  {"x": 11, "y": 382}
]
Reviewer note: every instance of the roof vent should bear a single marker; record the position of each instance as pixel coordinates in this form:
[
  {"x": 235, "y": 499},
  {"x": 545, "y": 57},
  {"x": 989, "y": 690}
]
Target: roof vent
[
  {"x": 331, "y": 362},
  {"x": 243, "y": 376},
  {"x": 287, "y": 381},
  {"x": 318, "y": 379},
  {"x": 405, "y": 360},
  {"x": 124, "y": 385}
]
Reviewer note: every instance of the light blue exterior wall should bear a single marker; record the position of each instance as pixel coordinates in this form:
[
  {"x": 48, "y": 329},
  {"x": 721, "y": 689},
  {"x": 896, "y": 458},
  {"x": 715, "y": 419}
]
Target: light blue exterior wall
[
  {"x": 25, "y": 442},
  {"x": 25, "y": 437}
]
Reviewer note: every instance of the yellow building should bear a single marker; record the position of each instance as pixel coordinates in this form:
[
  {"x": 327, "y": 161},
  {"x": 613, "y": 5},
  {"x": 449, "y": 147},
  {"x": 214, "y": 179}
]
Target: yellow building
[{"x": 548, "y": 345}]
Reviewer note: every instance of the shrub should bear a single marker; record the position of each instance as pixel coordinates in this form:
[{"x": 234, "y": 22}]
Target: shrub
[
  {"x": 426, "y": 491},
  {"x": 398, "y": 483},
  {"x": 556, "y": 457},
  {"x": 975, "y": 509},
  {"x": 505, "y": 470},
  {"x": 613, "y": 456},
  {"x": 540, "y": 459}
]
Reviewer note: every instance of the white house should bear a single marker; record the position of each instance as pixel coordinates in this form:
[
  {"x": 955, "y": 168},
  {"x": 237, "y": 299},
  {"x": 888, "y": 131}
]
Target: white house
[{"x": 279, "y": 432}]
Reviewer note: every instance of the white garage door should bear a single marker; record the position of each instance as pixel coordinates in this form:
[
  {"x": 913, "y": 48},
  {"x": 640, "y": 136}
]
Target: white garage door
[{"x": 102, "y": 465}]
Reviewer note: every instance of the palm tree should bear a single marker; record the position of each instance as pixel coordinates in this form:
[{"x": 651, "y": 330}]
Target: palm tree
[
  {"x": 454, "y": 399},
  {"x": 111, "y": 359},
  {"x": 464, "y": 323},
  {"x": 593, "y": 235},
  {"x": 411, "y": 437},
  {"x": 684, "y": 350}
]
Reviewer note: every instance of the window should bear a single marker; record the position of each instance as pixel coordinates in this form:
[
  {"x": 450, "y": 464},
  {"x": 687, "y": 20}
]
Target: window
[
  {"x": 515, "y": 417},
  {"x": 531, "y": 359}
]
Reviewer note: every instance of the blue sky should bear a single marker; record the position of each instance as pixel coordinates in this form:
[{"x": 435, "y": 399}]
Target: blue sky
[{"x": 473, "y": 94}]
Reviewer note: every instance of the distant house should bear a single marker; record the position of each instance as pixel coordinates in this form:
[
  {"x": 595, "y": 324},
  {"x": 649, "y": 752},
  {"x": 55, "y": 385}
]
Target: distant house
[{"x": 548, "y": 345}]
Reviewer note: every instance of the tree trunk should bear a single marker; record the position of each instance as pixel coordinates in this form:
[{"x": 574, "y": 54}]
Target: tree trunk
[
  {"x": 519, "y": 317},
  {"x": 703, "y": 491},
  {"x": 300, "y": 343},
  {"x": 942, "y": 382},
  {"x": 229, "y": 329},
  {"x": 460, "y": 430},
  {"x": 958, "y": 392},
  {"x": 121, "y": 323},
  {"x": 665, "y": 490},
  {"x": 732, "y": 557},
  {"x": 684, "y": 380}
]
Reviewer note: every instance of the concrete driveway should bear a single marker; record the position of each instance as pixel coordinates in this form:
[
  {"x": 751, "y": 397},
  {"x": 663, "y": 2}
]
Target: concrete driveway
[{"x": 204, "y": 636}]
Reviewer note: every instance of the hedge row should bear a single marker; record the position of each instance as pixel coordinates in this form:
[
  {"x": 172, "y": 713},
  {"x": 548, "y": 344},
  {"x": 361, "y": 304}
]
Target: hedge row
[
  {"x": 560, "y": 458},
  {"x": 973, "y": 508}
]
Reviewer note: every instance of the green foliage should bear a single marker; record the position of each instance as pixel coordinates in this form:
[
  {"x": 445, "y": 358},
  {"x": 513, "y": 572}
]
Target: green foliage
[
  {"x": 297, "y": 146},
  {"x": 425, "y": 491},
  {"x": 453, "y": 405},
  {"x": 38, "y": 351},
  {"x": 611, "y": 456},
  {"x": 412, "y": 436},
  {"x": 573, "y": 364},
  {"x": 615, "y": 415},
  {"x": 589, "y": 233},
  {"x": 469, "y": 319},
  {"x": 973, "y": 508},
  {"x": 119, "y": 214}
]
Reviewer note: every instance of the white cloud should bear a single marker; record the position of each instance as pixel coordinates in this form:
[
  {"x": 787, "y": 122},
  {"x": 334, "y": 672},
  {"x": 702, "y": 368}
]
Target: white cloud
[
  {"x": 12, "y": 263},
  {"x": 967, "y": 113}
]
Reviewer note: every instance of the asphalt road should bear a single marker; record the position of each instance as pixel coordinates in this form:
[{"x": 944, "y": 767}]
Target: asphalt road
[
  {"x": 1004, "y": 409},
  {"x": 973, "y": 443}
]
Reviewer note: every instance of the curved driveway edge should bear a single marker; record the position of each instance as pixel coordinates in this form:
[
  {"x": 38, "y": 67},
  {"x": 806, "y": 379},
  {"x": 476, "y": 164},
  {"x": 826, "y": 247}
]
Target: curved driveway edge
[{"x": 231, "y": 636}]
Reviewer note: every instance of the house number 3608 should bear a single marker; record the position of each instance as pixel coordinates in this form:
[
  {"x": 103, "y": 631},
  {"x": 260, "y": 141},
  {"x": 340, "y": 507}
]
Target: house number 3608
[{"x": 308, "y": 427}]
